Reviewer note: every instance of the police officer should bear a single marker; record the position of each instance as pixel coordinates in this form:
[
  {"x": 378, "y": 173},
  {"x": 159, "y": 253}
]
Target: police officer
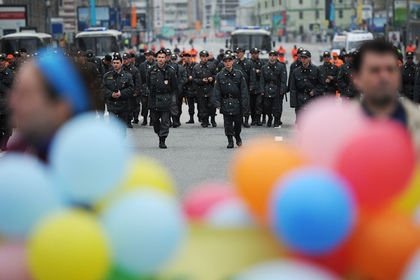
[
  {"x": 244, "y": 65},
  {"x": 14, "y": 66},
  {"x": 133, "y": 101},
  {"x": 231, "y": 97},
  {"x": 118, "y": 88},
  {"x": 204, "y": 74},
  {"x": 408, "y": 74},
  {"x": 107, "y": 64},
  {"x": 190, "y": 90},
  {"x": 330, "y": 73},
  {"x": 344, "y": 79},
  {"x": 162, "y": 84},
  {"x": 6, "y": 80},
  {"x": 144, "y": 69},
  {"x": 221, "y": 65},
  {"x": 296, "y": 64},
  {"x": 90, "y": 57},
  {"x": 306, "y": 83},
  {"x": 273, "y": 83},
  {"x": 256, "y": 98},
  {"x": 182, "y": 74}
]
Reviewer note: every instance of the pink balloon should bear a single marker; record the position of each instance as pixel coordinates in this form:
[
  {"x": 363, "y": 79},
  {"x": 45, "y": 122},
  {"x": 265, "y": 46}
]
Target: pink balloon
[
  {"x": 326, "y": 126},
  {"x": 205, "y": 196},
  {"x": 13, "y": 264}
]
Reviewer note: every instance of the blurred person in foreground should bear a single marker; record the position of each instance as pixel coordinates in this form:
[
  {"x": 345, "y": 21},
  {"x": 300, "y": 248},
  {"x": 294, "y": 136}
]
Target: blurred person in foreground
[
  {"x": 48, "y": 92},
  {"x": 377, "y": 75}
]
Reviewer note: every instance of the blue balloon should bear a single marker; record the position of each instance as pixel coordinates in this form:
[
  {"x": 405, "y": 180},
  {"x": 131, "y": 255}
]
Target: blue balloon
[
  {"x": 145, "y": 228},
  {"x": 312, "y": 210},
  {"x": 89, "y": 157},
  {"x": 26, "y": 195}
]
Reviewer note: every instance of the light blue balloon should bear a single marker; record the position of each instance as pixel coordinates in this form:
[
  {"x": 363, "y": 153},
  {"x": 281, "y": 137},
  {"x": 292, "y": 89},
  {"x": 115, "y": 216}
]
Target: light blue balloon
[
  {"x": 412, "y": 271},
  {"x": 312, "y": 210},
  {"x": 26, "y": 195},
  {"x": 89, "y": 157},
  {"x": 145, "y": 229},
  {"x": 285, "y": 270}
]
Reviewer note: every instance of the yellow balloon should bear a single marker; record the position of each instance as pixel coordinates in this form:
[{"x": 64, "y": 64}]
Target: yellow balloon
[
  {"x": 409, "y": 200},
  {"x": 69, "y": 245}
]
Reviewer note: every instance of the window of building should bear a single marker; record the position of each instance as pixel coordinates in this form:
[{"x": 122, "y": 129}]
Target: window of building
[
  {"x": 300, "y": 15},
  {"x": 259, "y": 5},
  {"x": 266, "y": 5},
  {"x": 316, "y": 14},
  {"x": 340, "y": 1},
  {"x": 280, "y": 2},
  {"x": 340, "y": 13},
  {"x": 272, "y": 3},
  {"x": 300, "y": 2}
]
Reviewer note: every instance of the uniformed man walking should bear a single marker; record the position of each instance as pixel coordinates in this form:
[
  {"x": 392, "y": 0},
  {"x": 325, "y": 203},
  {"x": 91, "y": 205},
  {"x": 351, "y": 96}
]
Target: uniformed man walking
[
  {"x": 330, "y": 73},
  {"x": 296, "y": 64},
  {"x": 408, "y": 75},
  {"x": 244, "y": 65},
  {"x": 144, "y": 69},
  {"x": 190, "y": 90},
  {"x": 204, "y": 74},
  {"x": 344, "y": 79},
  {"x": 306, "y": 83},
  {"x": 162, "y": 84},
  {"x": 182, "y": 74},
  {"x": 273, "y": 83},
  {"x": 107, "y": 64},
  {"x": 6, "y": 81},
  {"x": 176, "y": 67},
  {"x": 231, "y": 96},
  {"x": 256, "y": 97},
  {"x": 90, "y": 57},
  {"x": 133, "y": 101},
  {"x": 118, "y": 88},
  {"x": 14, "y": 66}
]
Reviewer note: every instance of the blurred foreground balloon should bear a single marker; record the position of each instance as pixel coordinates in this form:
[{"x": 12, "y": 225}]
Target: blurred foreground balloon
[
  {"x": 26, "y": 194},
  {"x": 285, "y": 269},
  {"x": 383, "y": 244},
  {"x": 312, "y": 210},
  {"x": 145, "y": 228},
  {"x": 378, "y": 162},
  {"x": 257, "y": 167},
  {"x": 89, "y": 157},
  {"x": 67, "y": 246},
  {"x": 13, "y": 264},
  {"x": 412, "y": 271},
  {"x": 325, "y": 127},
  {"x": 409, "y": 200}
]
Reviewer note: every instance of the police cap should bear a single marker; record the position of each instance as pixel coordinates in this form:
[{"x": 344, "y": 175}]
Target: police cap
[
  {"x": 355, "y": 53},
  {"x": 174, "y": 57},
  {"x": 117, "y": 56},
  {"x": 409, "y": 55},
  {"x": 186, "y": 54},
  {"x": 16, "y": 54},
  {"x": 132, "y": 55},
  {"x": 23, "y": 50},
  {"x": 326, "y": 54},
  {"x": 239, "y": 50},
  {"x": 228, "y": 51},
  {"x": 80, "y": 53},
  {"x": 3, "y": 56},
  {"x": 160, "y": 52},
  {"x": 89, "y": 53},
  {"x": 168, "y": 52},
  {"x": 149, "y": 52},
  {"x": 348, "y": 54},
  {"x": 306, "y": 53},
  {"x": 255, "y": 50},
  {"x": 126, "y": 56},
  {"x": 204, "y": 53},
  {"x": 300, "y": 50},
  {"x": 273, "y": 53},
  {"x": 228, "y": 56},
  {"x": 108, "y": 58}
]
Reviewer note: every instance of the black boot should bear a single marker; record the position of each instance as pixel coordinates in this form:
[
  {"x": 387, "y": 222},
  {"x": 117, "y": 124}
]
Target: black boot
[
  {"x": 258, "y": 118},
  {"x": 264, "y": 119},
  {"x": 230, "y": 142},
  {"x": 277, "y": 122},
  {"x": 238, "y": 140},
  {"x": 246, "y": 124},
  {"x": 170, "y": 122},
  {"x": 254, "y": 120},
  {"x": 162, "y": 143},
  {"x": 150, "y": 123},
  {"x": 191, "y": 119},
  {"x": 213, "y": 121},
  {"x": 270, "y": 120},
  {"x": 144, "y": 121},
  {"x": 129, "y": 125},
  {"x": 176, "y": 122},
  {"x": 205, "y": 122}
]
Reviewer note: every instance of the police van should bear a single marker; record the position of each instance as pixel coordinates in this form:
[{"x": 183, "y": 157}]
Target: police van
[
  {"x": 248, "y": 37},
  {"x": 29, "y": 40},
  {"x": 339, "y": 43},
  {"x": 356, "y": 38},
  {"x": 101, "y": 40}
]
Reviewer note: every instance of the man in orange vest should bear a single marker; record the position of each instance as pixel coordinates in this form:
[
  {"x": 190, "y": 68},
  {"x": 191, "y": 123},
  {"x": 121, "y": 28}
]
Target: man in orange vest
[
  {"x": 410, "y": 48},
  {"x": 336, "y": 61},
  {"x": 294, "y": 53},
  {"x": 282, "y": 52}
]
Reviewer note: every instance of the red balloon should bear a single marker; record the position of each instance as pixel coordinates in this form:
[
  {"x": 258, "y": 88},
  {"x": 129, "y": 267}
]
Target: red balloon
[
  {"x": 13, "y": 264},
  {"x": 378, "y": 162}
]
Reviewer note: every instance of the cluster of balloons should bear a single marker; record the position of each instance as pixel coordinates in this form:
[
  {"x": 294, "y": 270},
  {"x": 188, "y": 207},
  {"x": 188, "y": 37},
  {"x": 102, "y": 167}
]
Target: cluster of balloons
[
  {"x": 343, "y": 198},
  {"x": 94, "y": 213}
]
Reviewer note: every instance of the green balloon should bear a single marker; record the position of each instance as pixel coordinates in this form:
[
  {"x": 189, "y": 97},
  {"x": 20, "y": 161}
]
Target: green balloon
[{"x": 119, "y": 274}]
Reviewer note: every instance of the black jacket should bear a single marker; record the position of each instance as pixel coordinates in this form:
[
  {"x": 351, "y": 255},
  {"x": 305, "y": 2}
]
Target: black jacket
[
  {"x": 408, "y": 79},
  {"x": 190, "y": 87},
  {"x": 302, "y": 82},
  {"x": 201, "y": 71},
  {"x": 296, "y": 64},
  {"x": 344, "y": 82},
  {"x": 144, "y": 70},
  {"x": 162, "y": 84},
  {"x": 330, "y": 70},
  {"x": 273, "y": 80},
  {"x": 114, "y": 82},
  {"x": 249, "y": 73},
  {"x": 258, "y": 65},
  {"x": 134, "y": 72},
  {"x": 6, "y": 81},
  {"x": 230, "y": 92}
]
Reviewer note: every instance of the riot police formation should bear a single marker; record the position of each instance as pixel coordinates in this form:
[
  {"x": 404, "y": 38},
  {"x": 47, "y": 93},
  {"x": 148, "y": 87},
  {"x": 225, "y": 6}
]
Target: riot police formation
[
  {"x": 161, "y": 81},
  {"x": 6, "y": 81},
  {"x": 190, "y": 91},
  {"x": 330, "y": 74},
  {"x": 204, "y": 74},
  {"x": 231, "y": 98},
  {"x": 273, "y": 83},
  {"x": 344, "y": 79},
  {"x": 408, "y": 76},
  {"x": 144, "y": 69}
]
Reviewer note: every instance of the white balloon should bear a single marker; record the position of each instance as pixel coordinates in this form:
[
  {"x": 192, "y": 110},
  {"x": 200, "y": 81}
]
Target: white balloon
[
  {"x": 413, "y": 269},
  {"x": 285, "y": 270},
  {"x": 230, "y": 213}
]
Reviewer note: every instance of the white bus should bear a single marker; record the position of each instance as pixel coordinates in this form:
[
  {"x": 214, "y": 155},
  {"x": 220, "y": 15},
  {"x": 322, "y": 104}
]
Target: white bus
[
  {"x": 249, "y": 37},
  {"x": 29, "y": 40},
  {"x": 101, "y": 40}
]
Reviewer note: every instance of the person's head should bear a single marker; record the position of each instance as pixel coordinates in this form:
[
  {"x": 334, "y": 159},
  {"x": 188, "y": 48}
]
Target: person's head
[
  {"x": 273, "y": 56},
  {"x": 161, "y": 58},
  {"x": 239, "y": 52},
  {"x": 89, "y": 55},
  {"x": 348, "y": 57},
  {"x": 204, "y": 56},
  {"x": 132, "y": 58},
  {"x": 295, "y": 47},
  {"x": 126, "y": 59},
  {"x": 192, "y": 47},
  {"x": 50, "y": 92},
  {"x": 221, "y": 51},
  {"x": 81, "y": 57},
  {"x": 107, "y": 60},
  {"x": 168, "y": 54},
  {"x": 211, "y": 56},
  {"x": 149, "y": 56},
  {"x": 23, "y": 52},
  {"x": 299, "y": 54},
  {"x": 409, "y": 57},
  {"x": 3, "y": 61},
  {"x": 10, "y": 58},
  {"x": 327, "y": 57},
  {"x": 376, "y": 72},
  {"x": 187, "y": 57},
  {"x": 228, "y": 61},
  {"x": 17, "y": 56},
  {"x": 174, "y": 58},
  {"x": 306, "y": 58},
  {"x": 255, "y": 53},
  {"x": 335, "y": 55},
  {"x": 117, "y": 62}
]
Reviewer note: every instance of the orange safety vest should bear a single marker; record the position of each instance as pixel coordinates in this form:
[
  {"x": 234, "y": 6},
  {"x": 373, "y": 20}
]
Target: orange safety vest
[
  {"x": 410, "y": 49},
  {"x": 294, "y": 52},
  {"x": 338, "y": 62},
  {"x": 400, "y": 63}
]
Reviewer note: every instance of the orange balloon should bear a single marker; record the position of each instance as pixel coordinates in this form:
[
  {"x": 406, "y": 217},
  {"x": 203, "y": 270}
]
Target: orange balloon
[
  {"x": 383, "y": 243},
  {"x": 257, "y": 167}
]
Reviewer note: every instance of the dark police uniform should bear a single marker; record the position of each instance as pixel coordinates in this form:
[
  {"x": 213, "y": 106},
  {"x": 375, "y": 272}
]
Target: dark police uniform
[
  {"x": 344, "y": 81},
  {"x": 205, "y": 89},
  {"x": 181, "y": 80},
  {"x": 256, "y": 98},
  {"x": 231, "y": 95},
  {"x": 14, "y": 66},
  {"x": 408, "y": 76},
  {"x": 6, "y": 81},
  {"x": 105, "y": 67},
  {"x": 273, "y": 83},
  {"x": 163, "y": 86},
  {"x": 220, "y": 65},
  {"x": 134, "y": 100},
  {"x": 90, "y": 57},
  {"x": 329, "y": 70},
  {"x": 303, "y": 81},
  {"x": 295, "y": 65},
  {"x": 144, "y": 69},
  {"x": 190, "y": 90},
  {"x": 114, "y": 82}
]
